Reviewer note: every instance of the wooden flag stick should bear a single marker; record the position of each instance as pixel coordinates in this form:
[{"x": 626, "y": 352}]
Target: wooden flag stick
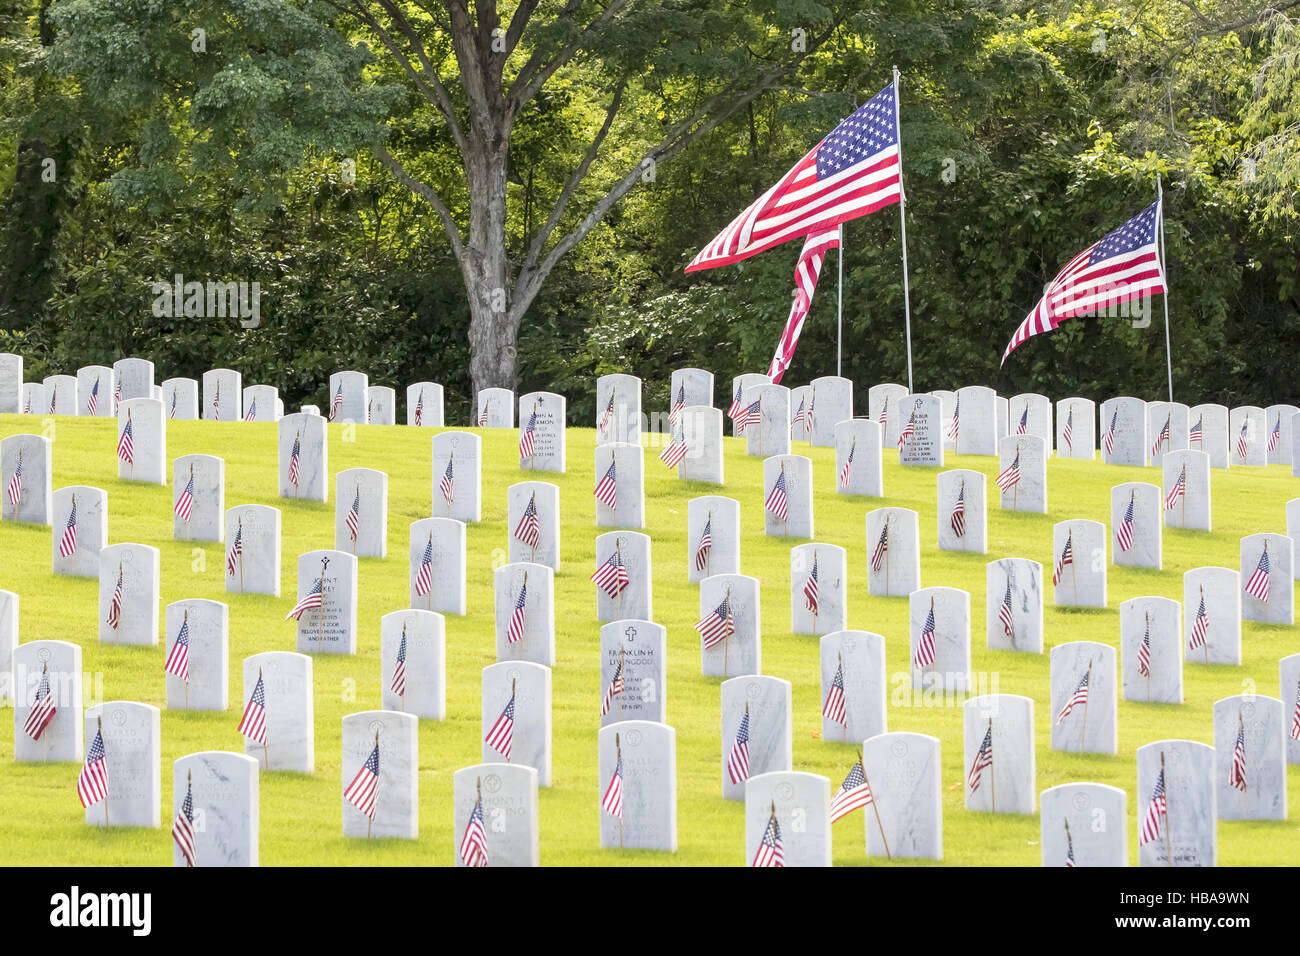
[
  {"x": 962, "y": 494},
  {"x": 513, "y": 682},
  {"x": 99, "y": 725},
  {"x": 844, "y": 727},
  {"x": 187, "y": 681},
  {"x": 401, "y": 698},
  {"x": 239, "y": 529},
  {"x": 618, "y": 754},
  {"x": 132, "y": 474},
  {"x": 1245, "y": 793},
  {"x": 188, "y": 534},
  {"x": 874, "y": 806},
  {"x": 266, "y": 753},
  {"x": 1183, "y": 496},
  {"x": 993, "y": 776},
  {"x": 1148, "y": 631},
  {"x": 1169, "y": 842},
  {"x": 621, "y": 653},
  {"x": 1015, "y": 491},
  {"x": 1083, "y": 734},
  {"x": 1205, "y": 643},
  {"x": 370, "y": 817},
  {"x": 708, "y": 558},
  {"x": 532, "y": 458}
]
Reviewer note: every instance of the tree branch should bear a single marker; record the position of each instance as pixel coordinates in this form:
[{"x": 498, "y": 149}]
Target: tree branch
[
  {"x": 534, "y": 74},
  {"x": 425, "y": 192}
]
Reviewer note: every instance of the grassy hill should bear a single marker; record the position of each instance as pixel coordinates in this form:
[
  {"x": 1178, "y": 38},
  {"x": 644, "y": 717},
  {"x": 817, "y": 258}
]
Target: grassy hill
[{"x": 41, "y": 818}]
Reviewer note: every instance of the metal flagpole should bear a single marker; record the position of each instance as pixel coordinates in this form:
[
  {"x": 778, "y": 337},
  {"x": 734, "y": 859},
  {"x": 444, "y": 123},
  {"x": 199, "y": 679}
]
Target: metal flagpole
[
  {"x": 839, "y": 310},
  {"x": 902, "y": 218},
  {"x": 1160, "y": 228}
]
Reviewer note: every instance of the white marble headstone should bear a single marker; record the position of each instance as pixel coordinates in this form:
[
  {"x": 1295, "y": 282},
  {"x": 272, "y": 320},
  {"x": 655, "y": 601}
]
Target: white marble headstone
[
  {"x": 1289, "y": 681},
  {"x": 641, "y": 647},
  {"x": 397, "y": 798},
  {"x": 1003, "y": 426},
  {"x": 831, "y": 401},
  {"x": 61, "y": 395},
  {"x": 1008, "y": 784},
  {"x": 208, "y": 499},
  {"x": 977, "y": 432},
  {"x": 509, "y": 795},
  {"x": 548, "y": 430},
  {"x": 897, "y": 571},
  {"x": 290, "y": 726},
  {"x": 11, "y": 383},
  {"x": 690, "y": 386},
  {"x": 950, "y": 669},
  {"x": 1125, "y": 420},
  {"x": 1144, "y": 537},
  {"x": 545, "y": 500},
  {"x": 223, "y": 391},
  {"x": 742, "y": 652},
  {"x": 1030, "y": 492},
  {"x": 33, "y": 402},
  {"x": 1259, "y": 721},
  {"x": 1220, "y": 588},
  {"x": 861, "y": 657},
  {"x": 969, "y": 530},
  {"x": 34, "y": 454},
  {"x": 458, "y": 494},
  {"x": 427, "y": 398},
  {"x": 1038, "y": 421},
  {"x": 722, "y": 517},
  {"x": 444, "y": 539},
  {"x": 1085, "y": 823},
  {"x": 648, "y": 754},
  {"x": 906, "y": 778},
  {"x": 1247, "y": 431},
  {"x": 8, "y": 642},
  {"x": 800, "y": 427},
  {"x": 1192, "y": 509},
  {"x": 1213, "y": 422},
  {"x": 255, "y": 568},
  {"x": 180, "y": 398},
  {"x": 742, "y": 388},
  {"x": 632, "y": 550},
  {"x": 530, "y": 685},
  {"x": 346, "y": 399},
  {"x": 224, "y": 791},
  {"x": 1019, "y": 581},
  {"x": 884, "y": 405},
  {"x": 767, "y": 702},
  {"x": 1279, "y": 419},
  {"x": 135, "y": 375},
  {"x": 1159, "y": 416},
  {"x": 798, "y": 522},
  {"x": 771, "y": 434},
  {"x": 924, "y": 413},
  {"x": 858, "y": 438},
  {"x": 89, "y": 535},
  {"x": 381, "y": 405},
  {"x": 1280, "y": 607},
  {"x": 831, "y": 564},
  {"x": 309, "y": 432},
  {"x": 424, "y": 685},
  {"x": 621, "y": 422},
  {"x": 1092, "y": 724},
  {"x": 802, "y": 805},
  {"x": 628, "y": 462},
  {"x": 1161, "y": 619},
  {"x": 133, "y": 754},
  {"x": 1082, "y": 583},
  {"x": 87, "y": 377},
  {"x": 1078, "y": 417},
  {"x": 148, "y": 439},
  {"x": 1188, "y": 826},
  {"x": 207, "y": 624},
  {"x": 262, "y": 403},
  {"x": 137, "y": 566},
  {"x": 62, "y": 738},
  {"x": 536, "y": 583},
  {"x": 331, "y": 628},
  {"x": 367, "y": 489},
  {"x": 701, "y": 428}
]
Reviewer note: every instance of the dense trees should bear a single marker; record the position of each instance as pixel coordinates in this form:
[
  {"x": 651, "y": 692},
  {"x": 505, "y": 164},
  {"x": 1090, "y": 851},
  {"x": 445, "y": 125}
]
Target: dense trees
[{"x": 412, "y": 184}]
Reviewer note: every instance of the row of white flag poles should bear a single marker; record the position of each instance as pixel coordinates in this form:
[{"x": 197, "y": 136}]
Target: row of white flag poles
[{"x": 856, "y": 170}]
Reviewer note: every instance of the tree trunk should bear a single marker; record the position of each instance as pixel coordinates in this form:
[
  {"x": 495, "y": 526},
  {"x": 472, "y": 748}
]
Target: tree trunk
[{"x": 486, "y": 267}]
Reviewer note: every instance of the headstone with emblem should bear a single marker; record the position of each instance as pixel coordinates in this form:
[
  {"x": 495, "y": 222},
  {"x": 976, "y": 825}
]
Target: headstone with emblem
[
  {"x": 633, "y": 671},
  {"x": 1084, "y": 698},
  {"x": 506, "y": 796},
  {"x": 1151, "y": 650},
  {"x": 756, "y": 735},
  {"x": 202, "y": 682},
  {"x": 1083, "y": 824},
  {"x": 253, "y": 550},
  {"x": 128, "y": 594},
  {"x": 396, "y": 797},
  {"x": 525, "y": 613},
  {"x": 34, "y": 664},
  {"x": 412, "y": 670},
  {"x": 76, "y": 541},
  {"x": 327, "y": 580},
  {"x": 516, "y": 716},
  {"x": 859, "y": 658},
  {"x": 1186, "y": 829},
  {"x": 133, "y": 755},
  {"x": 287, "y": 710},
  {"x": 457, "y": 480},
  {"x": 225, "y": 803}
]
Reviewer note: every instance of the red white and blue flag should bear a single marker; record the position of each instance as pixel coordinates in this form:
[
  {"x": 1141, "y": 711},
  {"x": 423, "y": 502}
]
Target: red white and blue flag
[
  {"x": 184, "y": 506},
  {"x": 183, "y": 826},
  {"x": 983, "y": 760},
  {"x": 473, "y": 845},
  {"x": 853, "y": 793},
  {"x": 769, "y": 853},
  {"x": 68, "y": 543},
  {"x": 738, "y": 759},
  {"x": 501, "y": 736},
  {"x": 92, "y": 782},
  {"x": 253, "y": 723},
  {"x": 1124, "y": 533},
  {"x": 364, "y": 788},
  {"x": 424, "y": 574},
  {"x": 178, "y": 658}
]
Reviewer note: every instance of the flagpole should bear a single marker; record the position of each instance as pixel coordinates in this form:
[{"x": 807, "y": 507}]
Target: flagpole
[
  {"x": 839, "y": 658},
  {"x": 370, "y": 821},
  {"x": 266, "y": 753},
  {"x": 839, "y": 309},
  {"x": 726, "y": 640},
  {"x": 1169, "y": 354},
  {"x": 99, "y": 726},
  {"x": 1169, "y": 843},
  {"x": 621, "y": 652},
  {"x": 993, "y": 774},
  {"x": 187, "y": 680},
  {"x": 874, "y": 806},
  {"x": 1205, "y": 644},
  {"x": 1083, "y": 734},
  {"x": 239, "y": 534},
  {"x": 902, "y": 219}
]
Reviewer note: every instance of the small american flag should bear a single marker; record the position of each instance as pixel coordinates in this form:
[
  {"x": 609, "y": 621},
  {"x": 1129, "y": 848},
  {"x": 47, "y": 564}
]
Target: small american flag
[
  {"x": 337, "y": 403},
  {"x": 253, "y": 724},
  {"x": 43, "y": 708},
  {"x": 1022, "y": 426},
  {"x": 1065, "y": 560},
  {"x": 983, "y": 760},
  {"x": 612, "y": 577},
  {"x": 614, "y": 689},
  {"x": 882, "y": 548},
  {"x": 68, "y": 543},
  {"x": 515, "y": 628},
  {"x": 236, "y": 550},
  {"x": 954, "y": 427},
  {"x": 925, "y": 646},
  {"x": 1108, "y": 439},
  {"x": 1157, "y": 809},
  {"x": 1068, "y": 433},
  {"x": 1069, "y": 849},
  {"x": 92, "y": 782},
  {"x": 353, "y": 519},
  {"x": 751, "y": 415},
  {"x": 810, "y": 589},
  {"x": 115, "y": 602},
  {"x": 293, "y": 461},
  {"x": 853, "y": 793},
  {"x": 184, "y": 506},
  {"x": 800, "y": 416},
  {"x": 718, "y": 625},
  {"x": 776, "y": 500},
  {"x": 1241, "y": 440},
  {"x": 172, "y": 413},
  {"x": 398, "y": 684},
  {"x": 608, "y": 414},
  {"x": 370, "y": 407},
  {"x": 847, "y": 470},
  {"x": 1010, "y": 476},
  {"x": 835, "y": 708},
  {"x": 1295, "y": 715},
  {"x": 92, "y": 403},
  {"x": 1237, "y": 772},
  {"x": 1257, "y": 586},
  {"x": 958, "y": 520},
  {"x": 908, "y": 430},
  {"x": 15, "y": 489},
  {"x": 679, "y": 403},
  {"x": 811, "y": 421},
  {"x": 364, "y": 788},
  {"x": 527, "y": 438},
  {"x": 54, "y": 399},
  {"x": 674, "y": 451},
  {"x": 251, "y": 414},
  {"x": 1005, "y": 615},
  {"x": 1124, "y": 533},
  {"x": 314, "y": 598},
  {"x": 424, "y": 574},
  {"x": 216, "y": 402},
  {"x": 612, "y": 801},
  {"x": 1200, "y": 627},
  {"x": 607, "y": 488},
  {"x": 473, "y": 845},
  {"x": 178, "y": 658},
  {"x": 419, "y": 409},
  {"x": 1178, "y": 490},
  {"x": 529, "y": 528},
  {"x": 1197, "y": 430},
  {"x": 501, "y": 736},
  {"x": 183, "y": 826},
  {"x": 1144, "y": 652},
  {"x": 126, "y": 442},
  {"x": 734, "y": 410},
  {"x": 1275, "y": 436},
  {"x": 883, "y": 418},
  {"x": 448, "y": 484},
  {"x": 738, "y": 759},
  {"x": 1162, "y": 438},
  {"x": 483, "y": 414},
  {"x": 1078, "y": 699},
  {"x": 769, "y": 853},
  {"x": 117, "y": 396},
  {"x": 705, "y": 546}
]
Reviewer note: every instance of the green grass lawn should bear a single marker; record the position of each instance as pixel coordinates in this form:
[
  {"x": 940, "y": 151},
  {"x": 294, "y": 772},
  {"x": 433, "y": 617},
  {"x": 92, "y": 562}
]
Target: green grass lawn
[{"x": 41, "y": 820}]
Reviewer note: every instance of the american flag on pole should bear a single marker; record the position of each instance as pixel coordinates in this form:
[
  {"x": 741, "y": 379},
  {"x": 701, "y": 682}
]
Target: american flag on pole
[
  {"x": 364, "y": 788},
  {"x": 1275, "y": 436},
  {"x": 1295, "y": 715},
  {"x": 1144, "y": 652},
  {"x": 734, "y": 409},
  {"x": 1178, "y": 490},
  {"x": 527, "y": 438},
  {"x": 419, "y": 409},
  {"x": 68, "y": 543},
  {"x": 92, "y": 403},
  {"x": 769, "y": 854},
  {"x": 718, "y": 625},
  {"x": 92, "y": 782},
  {"x": 1123, "y": 266},
  {"x": 501, "y": 736},
  {"x": 612, "y": 577},
  {"x": 1005, "y": 617},
  {"x": 483, "y": 414},
  {"x": 1009, "y": 476},
  {"x": 183, "y": 826},
  {"x": 448, "y": 484},
  {"x": 954, "y": 427},
  {"x": 705, "y": 545},
  {"x": 608, "y": 414},
  {"x": 800, "y": 416},
  {"x": 882, "y": 547},
  {"x": 1241, "y": 439},
  {"x": 958, "y": 520},
  {"x": 834, "y": 707},
  {"x": 54, "y": 399},
  {"x": 172, "y": 413},
  {"x": 293, "y": 461},
  {"x": 515, "y": 627},
  {"x": 353, "y": 519},
  {"x": 1067, "y": 434},
  {"x": 613, "y": 690},
  {"x": 1157, "y": 808},
  {"x": 679, "y": 403},
  {"x": 983, "y": 760},
  {"x": 178, "y": 658},
  {"x": 117, "y": 396},
  {"x": 752, "y": 414},
  {"x": 1078, "y": 699},
  {"x": 15, "y": 489},
  {"x": 607, "y": 488},
  {"x": 1200, "y": 627},
  {"x": 847, "y": 470},
  {"x": 312, "y": 599},
  {"x": 854, "y": 171},
  {"x": 126, "y": 442},
  {"x": 236, "y": 550},
  {"x": 337, "y": 403},
  {"x": 1022, "y": 427},
  {"x": 1124, "y": 533},
  {"x": 424, "y": 574},
  {"x": 529, "y": 528},
  {"x": 738, "y": 759},
  {"x": 251, "y": 414},
  {"x": 807, "y": 269},
  {"x": 908, "y": 430},
  {"x": 883, "y": 419},
  {"x": 810, "y": 588},
  {"x": 216, "y": 402},
  {"x": 1197, "y": 431},
  {"x": 776, "y": 500},
  {"x": 1161, "y": 438},
  {"x": 253, "y": 724},
  {"x": 853, "y": 793},
  {"x": 43, "y": 708},
  {"x": 184, "y": 506},
  {"x": 1069, "y": 850},
  {"x": 115, "y": 602},
  {"x": 674, "y": 451},
  {"x": 1108, "y": 439},
  {"x": 1237, "y": 772},
  {"x": 1065, "y": 560},
  {"x": 1257, "y": 586},
  {"x": 473, "y": 845},
  {"x": 612, "y": 801},
  {"x": 398, "y": 684},
  {"x": 925, "y": 646}
]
